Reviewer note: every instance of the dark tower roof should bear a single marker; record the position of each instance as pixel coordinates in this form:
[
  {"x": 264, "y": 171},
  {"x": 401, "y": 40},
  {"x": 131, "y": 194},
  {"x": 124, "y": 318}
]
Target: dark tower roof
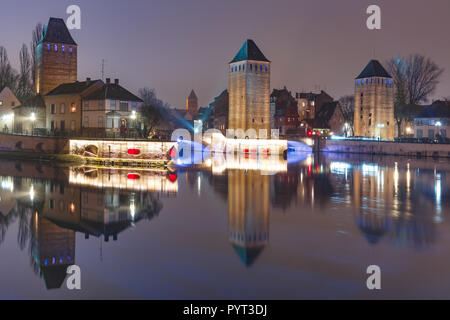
[
  {"x": 249, "y": 51},
  {"x": 56, "y": 31},
  {"x": 374, "y": 69},
  {"x": 192, "y": 95}
]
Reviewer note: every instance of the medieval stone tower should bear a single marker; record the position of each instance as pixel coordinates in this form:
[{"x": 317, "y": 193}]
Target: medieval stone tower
[
  {"x": 374, "y": 103},
  {"x": 56, "y": 57},
  {"x": 192, "y": 103},
  {"x": 249, "y": 89}
]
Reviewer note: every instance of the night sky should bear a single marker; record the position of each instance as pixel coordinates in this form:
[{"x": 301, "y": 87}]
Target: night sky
[{"x": 178, "y": 45}]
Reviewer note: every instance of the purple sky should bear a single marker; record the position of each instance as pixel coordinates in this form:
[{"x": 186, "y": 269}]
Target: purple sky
[{"x": 178, "y": 45}]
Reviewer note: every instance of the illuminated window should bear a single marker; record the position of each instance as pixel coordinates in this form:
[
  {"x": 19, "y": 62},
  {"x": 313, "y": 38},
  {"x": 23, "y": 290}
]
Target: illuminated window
[
  {"x": 52, "y": 109},
  {"x": 56, "y": 47},
  {"x": 70, "y": 49},
  {"x": 63, "y": 48},
  {"x": 1, "y": 103},
  {"x": 73, "y": 108},
  {"x": 266, "y": 68},
  {"x": 48, "y": 46}
]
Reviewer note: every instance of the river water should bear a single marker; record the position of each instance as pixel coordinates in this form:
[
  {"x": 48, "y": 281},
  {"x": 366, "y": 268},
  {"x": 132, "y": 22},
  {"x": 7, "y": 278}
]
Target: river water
[{"x": 241, "y": 228}]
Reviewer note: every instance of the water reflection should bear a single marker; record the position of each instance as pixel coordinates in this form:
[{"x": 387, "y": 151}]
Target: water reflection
[
  {"x": 392, "y": 202},
  {"x": 95, "y": 202}
]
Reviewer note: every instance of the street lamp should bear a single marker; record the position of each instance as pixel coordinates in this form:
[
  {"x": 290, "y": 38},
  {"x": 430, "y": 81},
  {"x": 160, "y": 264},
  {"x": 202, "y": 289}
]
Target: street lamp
[{"x": 33, "y": 119}]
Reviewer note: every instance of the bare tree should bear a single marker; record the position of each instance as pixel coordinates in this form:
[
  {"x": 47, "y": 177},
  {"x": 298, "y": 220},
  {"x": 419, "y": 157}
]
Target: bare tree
[
  {"x": 347, "y": 104},
  {"x": 8, "y": 75},
  {"x": 24, "y": 83},
  {"x": 36, "y": 36},
  {"x": 415, "y": 79}
]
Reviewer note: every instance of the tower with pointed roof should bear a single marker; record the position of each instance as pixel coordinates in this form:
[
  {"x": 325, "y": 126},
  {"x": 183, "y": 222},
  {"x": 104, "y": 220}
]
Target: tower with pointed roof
[
  {"x": 192, "y": 103},
  {"x": 249, "y": 90},
  {"x": 374, "y": 103},
  {"x": 56, "y": 57}
]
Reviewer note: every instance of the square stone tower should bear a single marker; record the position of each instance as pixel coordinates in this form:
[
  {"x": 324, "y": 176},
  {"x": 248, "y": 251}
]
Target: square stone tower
[
  {"x": 56, "y": 57},
  {"x": 192, "y": 103},
  {"x": 374, "y": 103},
  {"x": 249, "y": 91}
]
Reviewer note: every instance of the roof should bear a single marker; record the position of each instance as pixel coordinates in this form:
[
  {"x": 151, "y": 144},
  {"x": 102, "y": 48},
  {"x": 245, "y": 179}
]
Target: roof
[
  {"x": 248, "y": 255},
  {"x": 438, "y": 109},
  {"x": 76, "y": 87},
  {"x": 35, "y": 102},
  {"x": 192, "y": 95},
  {"x": 374, "y": 69},
  {"x": 112, "y": 91},
  {"x": 54, "y": 276},
  {"x": 56, "y": 31},
  {"x": 327, "y": 110},
  {"x": 249, "y": 51}
]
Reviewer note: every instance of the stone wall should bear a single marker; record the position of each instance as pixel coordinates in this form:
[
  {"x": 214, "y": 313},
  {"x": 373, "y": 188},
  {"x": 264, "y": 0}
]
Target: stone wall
[
  {"x": 50, "y": 145},
  {"x": 386, "y": 148}
]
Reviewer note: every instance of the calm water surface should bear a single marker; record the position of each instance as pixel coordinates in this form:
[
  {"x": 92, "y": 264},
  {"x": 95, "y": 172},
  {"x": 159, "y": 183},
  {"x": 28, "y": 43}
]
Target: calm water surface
[{"x": 230, "y": 229}]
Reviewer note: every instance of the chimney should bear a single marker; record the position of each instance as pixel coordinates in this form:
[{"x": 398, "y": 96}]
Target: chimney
[
  {"x": 108, "y": 80},
  {"x": 88, "y": 81},
  {"x": 116, "y": 82}
]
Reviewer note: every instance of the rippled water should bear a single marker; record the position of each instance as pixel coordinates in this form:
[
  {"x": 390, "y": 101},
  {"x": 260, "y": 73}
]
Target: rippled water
[{"x": 242, "y": 228}]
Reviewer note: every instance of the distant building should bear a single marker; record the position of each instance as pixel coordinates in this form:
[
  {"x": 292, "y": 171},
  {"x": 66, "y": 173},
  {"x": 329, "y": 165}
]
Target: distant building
[
  {"x": 29, "y": 117},
  {"x": 64, "y": 105},
  {"x": 286, "y": 111},
  {"x": 110, "y": 110},
  {"x": 374, "y": 103},
  {"x": 56, "y": 57},
  {"x": 328, "y": 119},
  {"x": 249, "y": 90},
  {"x": 309, "y": 102},
  {"x": 7, "y": 103},
  {"x": 192, "y": 104},
  {"x": 219, "y": 109},
  {"x": 92, "y": 108},
  {"x": 433, "y": 122}
]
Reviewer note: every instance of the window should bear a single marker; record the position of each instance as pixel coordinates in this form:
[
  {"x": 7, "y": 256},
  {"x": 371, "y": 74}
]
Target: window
[
  {"x": 72, "y": 125},
  {"x": 100, "y": 122},
  {"x": 56, "y": 47},
  {"x": 70, "y": 49},
  {"x": 113, "y": 105},
  {"x": 63, "y": 125},
  {"x": 419, "y": 133},
  {"x": 123, "y": 106},
  {"x": 251, "y": 67},
  {"x": 53, "y": 109},
  {"x": 63, "y": 108},
  {"x": 63, "y": 48},
  {"x": 109, "y": 123},
  {"x": 431, "y": 133},
  {"x": 53, "y": 125},
  {"x": 266, "y": 68},
  {"x": 1, "y": 103},
  {"x": 85, "y": 122},
  {"x": 48, "y": 46},
  {"x": 73, "y": 108},
  {"x": 85, "y": 105}
]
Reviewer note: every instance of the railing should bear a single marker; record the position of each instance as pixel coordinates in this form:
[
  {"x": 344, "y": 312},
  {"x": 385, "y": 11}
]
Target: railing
[{"x": 38, "y": 132}]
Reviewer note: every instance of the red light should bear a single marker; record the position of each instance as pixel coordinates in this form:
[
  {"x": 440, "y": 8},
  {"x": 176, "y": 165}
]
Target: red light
[
  {"x": 134, "y": 151},
  {"x": 245, "y": 150},
  {"x": 253, "y": 151},
  {"x": 172, "y": 177},
  {"x": 310, "y": 133},
  {"x": 172, "y": 152},
  {"x": 266, "y": 151},
  {"x": 133, "y": 176}
]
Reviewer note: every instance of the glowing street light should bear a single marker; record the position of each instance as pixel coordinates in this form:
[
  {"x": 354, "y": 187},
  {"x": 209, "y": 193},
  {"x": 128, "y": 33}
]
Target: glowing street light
[
  {"x": 33, "y": 116},
  {"x": 133, "y": 115}
]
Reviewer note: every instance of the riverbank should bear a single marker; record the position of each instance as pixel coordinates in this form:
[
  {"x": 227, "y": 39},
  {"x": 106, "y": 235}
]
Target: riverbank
[{"x": 390, "y": 148}]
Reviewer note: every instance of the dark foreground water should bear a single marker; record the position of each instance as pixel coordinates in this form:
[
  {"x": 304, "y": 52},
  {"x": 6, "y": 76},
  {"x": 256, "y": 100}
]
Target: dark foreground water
[{"x": 235, "y": 229}]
